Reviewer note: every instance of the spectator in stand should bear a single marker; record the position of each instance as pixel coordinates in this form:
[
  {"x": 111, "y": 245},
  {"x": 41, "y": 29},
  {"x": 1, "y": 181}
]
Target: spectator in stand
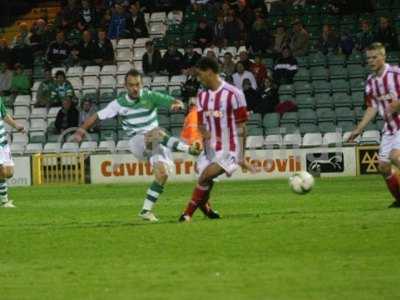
[
  {"x": 68, "y": 16},
  {"x": 281, "y": 39},
  {"x": 386, "y": 34},
  {"x": 117, "y": 28},
  {"x": 67, "y": 116},
  {"x": 211, "y": 54},
  {"x": 259, "y": 40},
  {"x": 346, "y": 43},
  {"x": 228, "y": 66},
  {"x": 285, "y": 67},
  {"x": 365, "y": 37},
  {"x": 219, "y": 32},
  {"x": 58, "y": 51},
  {"x": 86, "y": 50},
  {"x": 269, "y": 96},
  {"x": 104, "y": 49},
  {"x": 328, "y": 41},
  {"x": 60, "y": 90},
  {"x": 241, "y": 74},
  {"x": 88, "y": 19},
  {"x": 6, "y": 76},
  {"x": 204, "y": 34},
  {"x": 252, "y": 96},
  {"x": 152, "y": 61},
  {"x": 44, "y": 91},
  {"x": 40, "y": 37},
  {"x": 233, "y": 30},
  {"x": 191, "y": 57},
  {"x": 21, "y": 47},
  {"x": 191, "y": 86},
  {"x": 174, "y": 17},
  {"x": 245, "y": 60},
  {"x": 300, "y": 39},
  {"x": 246, "y": 15},
  {"x": 172, "y": 61},
  {"x": 20, "y": 83},
  {"x": 259, "y": 69},
  {"x": 88, "y": 109},
  {"x": 5, "y": 53},
  {"x": 136, "y": 24}
]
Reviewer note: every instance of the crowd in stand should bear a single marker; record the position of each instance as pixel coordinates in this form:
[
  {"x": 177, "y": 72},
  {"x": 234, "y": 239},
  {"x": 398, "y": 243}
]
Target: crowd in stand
[{"x": 82, "y": 32}]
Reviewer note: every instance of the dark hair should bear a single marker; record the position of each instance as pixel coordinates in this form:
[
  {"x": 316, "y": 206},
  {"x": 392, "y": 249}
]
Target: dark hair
[
  {"x": 206, "y": 63},
  {"x": 60, "y": 73},
  {"x": 149, "y": 43},
  {"x": 133, "y": 73}
]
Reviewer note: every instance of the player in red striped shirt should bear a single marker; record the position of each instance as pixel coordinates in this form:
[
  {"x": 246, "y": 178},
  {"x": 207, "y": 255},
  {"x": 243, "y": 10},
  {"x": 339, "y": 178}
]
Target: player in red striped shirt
[
  {"x": 382, "y": 95},
  {"x": 222, "y": 115}
]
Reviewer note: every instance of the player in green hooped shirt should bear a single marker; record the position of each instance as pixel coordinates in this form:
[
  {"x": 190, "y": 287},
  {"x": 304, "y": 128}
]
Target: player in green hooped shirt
[
  {"x": 6, "y": 161},
  {"x": 138, "y": 111}
]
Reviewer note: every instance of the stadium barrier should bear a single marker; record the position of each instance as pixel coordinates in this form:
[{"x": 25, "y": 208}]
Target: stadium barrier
[
  {"x": 279, "y": 163},
  {"x": 58, "y": 168}
]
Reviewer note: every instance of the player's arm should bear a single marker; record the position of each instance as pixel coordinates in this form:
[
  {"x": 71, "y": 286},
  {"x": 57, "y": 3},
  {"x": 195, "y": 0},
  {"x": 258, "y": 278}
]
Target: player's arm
[
  {"x": 164, "y": 100},
  {"x": 369, "y": 115},
  {"x": 10, "y": 121}
]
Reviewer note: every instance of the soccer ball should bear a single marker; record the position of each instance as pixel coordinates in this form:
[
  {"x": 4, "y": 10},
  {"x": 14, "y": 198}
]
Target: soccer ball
[{"x": 301, "y": 182}]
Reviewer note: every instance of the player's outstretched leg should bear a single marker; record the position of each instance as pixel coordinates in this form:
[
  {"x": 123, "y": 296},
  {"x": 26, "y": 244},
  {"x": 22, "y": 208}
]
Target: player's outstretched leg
[
  {"x": 205, "y": 205},
  {"x": 158, "y": 135},
  {"x": 201, "y": 191},
  {"x": 5, "y": 173},
  {"x": 154, "y": 191}
]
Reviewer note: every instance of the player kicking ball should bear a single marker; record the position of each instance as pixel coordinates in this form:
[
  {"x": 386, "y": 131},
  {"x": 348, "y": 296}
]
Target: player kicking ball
[
  {"x": 6, "y": 161},
  {"x": 222, "y": 115},
  {"x": 382, "y": 95},
  {"x": 138, "y": 110}
]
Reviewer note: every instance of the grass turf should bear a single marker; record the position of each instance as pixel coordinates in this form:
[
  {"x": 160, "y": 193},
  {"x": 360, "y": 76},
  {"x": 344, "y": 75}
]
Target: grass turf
[{"x": 85, "y": 242}]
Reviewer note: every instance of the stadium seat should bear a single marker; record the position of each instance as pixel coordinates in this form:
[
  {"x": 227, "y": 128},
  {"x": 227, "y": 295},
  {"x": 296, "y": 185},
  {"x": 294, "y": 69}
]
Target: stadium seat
[
  {"x": 340, "y": 86},
  {"x": 177, "y": 80},
  {"x": 52, "y": 147},
  {"x": 337, "y": 72},
  {"x": 323, "y": 100},
  {"x": 160, "y": 81},
  {"x": 38, "y": 125},
  {"x": 37, "y": 137},
  {"x": 325, "y": 127},
  {"x": 23, "y": 122},
  {"x": 355, "y": 58},
  {"x": 140, "y": 42},
  {"x": 254, "y": 131},
  {"x": 108, "y": 70},
  {"x": 271, "y": 120},
  {"x": 359, "y": 112},
  {"x": 124, "y": 43},
  {"x": 370, "y": 137},
  {"x": 17, "y": 149},
  {"x": 346, "y": 136},
  {"x": 332, "y": 139},
  {"x": 321, "y": 86},
  {"x": 286, "y": 90},
  {"x": 147, "y": 80},
  {"x": 177, "y": 119},
  {"x": 307, "y": 116},
  {"x": 124, "y": 55},
  {"x": 305, "y": 101},
  {"x": 308, "y": 128},
  {"x": 76, "y": 83},
  {"x": 106, "y": 146},
  {"x": 74, "y": 72},
  {"x": 20, "y": 138},
  {"x": 289, "y": 128},
  {"x": 160, "y": 17},
  {"x": 88, "y": 146},
  {"x": 273, "y": 141},
  {"x": 39, "y": 113},
  {"x": 108, "y": 135},
  {"x": 70, "y": 147},
  {"x": 344, "y": 114},
  {"x": 303, "y": 87},
  {"x": 357, "y": 85},
  {"x": 341, "y": 100},
  {"x": 312, "y": 140},
  {"x": 325, "y": 114},
  {"x": 90, "y": 82},
  {"x": 107, "y": 81},
  {"x": 357, "y": 98},
  {"x": 302, "y": 75},
  {"x": 289, "y": 118},
  {"x": 138, "y": 53},
  {"x": 302, "y": 62},
  {"x": 255, "y": 119},
  {"x": 92, "y": 71},
  {"x": 254, "y": 142},
  {"x": 319, "y": 73},
  {"x": 21, "y": 112},
  {"x": 157, "y": 30},
  {"x": 22, "y": 100},
  {"x": 55, "y": 70},
  {"x": 122, "y": 146},
  {"x": 123, "y": 68},
  {"x": 356, "y": 71},
  {"x": 345, "y": 125},
  {"x": 32, "y": 148},
  {"x": 36, "y": 86},
  {"x": 292, "y": 139},
  {"x": 316, "y": 60},
  {"x": 334, "y": 59},
  {"x": 231, "y": 50}
]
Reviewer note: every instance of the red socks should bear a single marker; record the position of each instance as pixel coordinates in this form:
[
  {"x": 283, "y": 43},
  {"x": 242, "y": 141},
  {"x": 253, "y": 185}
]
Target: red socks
[
  {"x": 393, "y": 186},
  {"x": 199, "y": 193}
]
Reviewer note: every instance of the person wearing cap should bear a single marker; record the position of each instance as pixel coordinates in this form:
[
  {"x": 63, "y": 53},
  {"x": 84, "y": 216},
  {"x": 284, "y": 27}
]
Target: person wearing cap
[
  {"x": 151, "y": 59},
  {"x": 299, "y": 40}
]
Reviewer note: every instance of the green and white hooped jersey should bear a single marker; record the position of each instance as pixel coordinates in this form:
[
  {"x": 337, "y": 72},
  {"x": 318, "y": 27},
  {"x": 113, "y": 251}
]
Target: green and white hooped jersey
[
  {"x": 3, "y": 133},
  {"x": 140, "y": 115}
]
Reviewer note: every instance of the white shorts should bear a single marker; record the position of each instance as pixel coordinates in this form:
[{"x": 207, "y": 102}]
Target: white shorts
[
  {"x": 389, "y": 142},
  {"x": 5, "y": 156},
  {"x": 159, "y": 153},
  {"x": 226, "y": 160}
]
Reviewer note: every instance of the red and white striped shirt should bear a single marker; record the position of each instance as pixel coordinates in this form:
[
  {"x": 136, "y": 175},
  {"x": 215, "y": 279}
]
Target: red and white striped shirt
[
  {"x": 220, "y": 111},
  {"x": 379, "y": 92}
]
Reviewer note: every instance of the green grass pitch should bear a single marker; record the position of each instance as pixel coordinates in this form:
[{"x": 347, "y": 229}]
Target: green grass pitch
[{"x": 86, "y": 242}]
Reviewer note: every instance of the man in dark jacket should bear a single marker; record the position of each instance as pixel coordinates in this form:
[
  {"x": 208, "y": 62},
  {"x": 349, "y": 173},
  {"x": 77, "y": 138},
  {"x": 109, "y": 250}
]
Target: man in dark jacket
[
  {"x": 172, "y": 61},
  {"x": 191, "y": 57},
  {"x": 285, "y": 67},
  {"x": 58, "y": 51},
  {"x": 87, "y": 50},
  {"x": 151, "y": 59},
  {"x": 104, "y": 49},
  {"x": 387, "y": 35},
  {"x": 136, "y": 24},
  {"x": 67, "y": 117}
]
